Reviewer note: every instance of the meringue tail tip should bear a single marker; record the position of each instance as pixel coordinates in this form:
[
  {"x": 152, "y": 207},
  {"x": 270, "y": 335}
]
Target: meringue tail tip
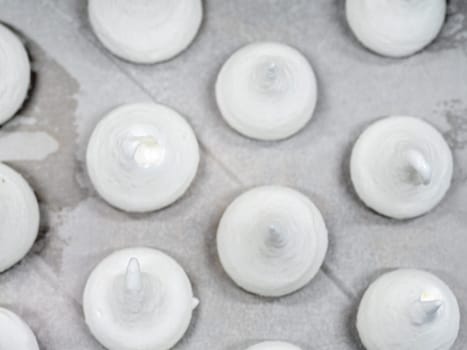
[
  {"x": 275, "y": 237},
  {"x": 271, "y": 71},
  {"x": 148, "y": 152},
  {"x": 133, "y": 278},
  {"x": 420, "y": 165},
  {"x": 426, "y": 309}
]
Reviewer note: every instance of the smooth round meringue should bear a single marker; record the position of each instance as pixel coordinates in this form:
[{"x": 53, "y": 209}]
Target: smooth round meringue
[
  {"x": 138, "y": 298},
  {"x": 142, "y": 157},
  {"x": 146, "y": 31},
  {"x": 273, "y": 345},
  {"x": 272, "y": 240},
  {"x": 19, "y": 217},
  {"x": 266, "y": 91},
  {"x": 15, "y": 73},
  {"x": 408, "y": 310},
  {"x": 396, "y": 28},
  {"x": 401, "y": 167},
  {"x": 15, "y": 333}
]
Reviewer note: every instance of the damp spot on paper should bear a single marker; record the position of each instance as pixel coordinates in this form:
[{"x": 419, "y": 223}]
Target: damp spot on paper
[
  {"x": 457, "y": 136},
  {"x": 455, "y": 114},
  {"x": 456, "y": 117},
  {"x": 22, "y": 120},
  {"x": 26, "y": 145},
  {"x": 454, "y": 32},
  {"x": 44, "y": 133}
]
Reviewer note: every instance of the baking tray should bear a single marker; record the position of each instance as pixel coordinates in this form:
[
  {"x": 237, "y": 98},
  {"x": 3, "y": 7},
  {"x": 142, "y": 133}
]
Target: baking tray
[{"x": 76, "y": 81}]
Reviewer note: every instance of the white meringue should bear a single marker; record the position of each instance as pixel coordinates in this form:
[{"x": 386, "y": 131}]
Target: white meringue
[
  {"x": 396, "y": 28},
  {"x": 142, "y": 157},
  {"x": 272, "y": 240},
  {"x": 266, "y": 91},
  {"x": 145, "y": 31},
  {"x": 138, "y": 298},
  {"x": 408, "y": 310},
  {"x": 15, "y": 73},
  {"x": 273, "y": 345},
  {"x": 15, "y": 334},
  {"x": 19, "y": 217},
  {"x": 401, "y": 167}
]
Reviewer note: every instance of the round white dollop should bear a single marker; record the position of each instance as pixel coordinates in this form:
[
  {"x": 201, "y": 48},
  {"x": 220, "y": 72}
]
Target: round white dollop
[
  {"x": 272, "y": 240},
  {"x": 395, "y": 28},
  {"x": 15, "y": 73},
  {"x": 266, "y": 91},
  {"x": 145, "y": 31},
  {"x": 15, "y": 334},
  {"x": 19, "y": 217},
  {"x": 381, "y": 174},
  {"x": 163, "y": 320},
  {"x": 385, "y": 316},
  {"x": 142, "y": 157},
  {"x": 273, "y": 345}
]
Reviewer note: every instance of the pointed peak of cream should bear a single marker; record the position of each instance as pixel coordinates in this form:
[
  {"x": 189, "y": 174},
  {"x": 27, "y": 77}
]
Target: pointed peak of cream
[
  {"x": 148, "y": 152},
  {"x": 195, "y": 303},
  {"x": 275, "y": 238},
  {"x": 133, "y": 276},
  {"x": 419, "y": 164},
  {"x": 425, "y": 309}
]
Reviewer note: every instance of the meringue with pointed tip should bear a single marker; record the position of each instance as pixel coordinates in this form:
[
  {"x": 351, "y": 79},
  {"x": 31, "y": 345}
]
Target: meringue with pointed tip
[
  {"x": 15, "y": 333},
  {"x": 15, "y": 73},
  {"x": 266, "y": 91},
  {"x": 138, "y": 298},
  {"x": 145, "y": 31},
  {"x": 406, "y": 310},
  {"x": 401, "y": 167},
  {"x": 273, "y": 345},
  {"x": 142, "y": 157},
  {"x": 396, "y": 28},
  {"x": 272, "y": 240},
  {"x": 19, "y": 223}
]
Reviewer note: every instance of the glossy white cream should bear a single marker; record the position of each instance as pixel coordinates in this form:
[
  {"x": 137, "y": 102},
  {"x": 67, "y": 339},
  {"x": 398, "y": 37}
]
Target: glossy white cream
[
  {"x": 15, "y": 73},
  {"x": 407, "y": 310},
  {"x": 138, "y": 298},
  {"x": 19, "y": 217},
  {"x": 396, "y": 28},
  {"x": 145, "y": 31},
  {"x": 273, "y": 345},
  {"x": 401, "y": 167},
  {"x": 142, "y": 157},
  {"x": 15, "y": 334},
  {"x": 272, "y": 240},
  {"x": 266, "y": 91}
]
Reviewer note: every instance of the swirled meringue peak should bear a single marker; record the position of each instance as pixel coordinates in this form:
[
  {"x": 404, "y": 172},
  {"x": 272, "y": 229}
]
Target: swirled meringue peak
[
  {"x": 142, "y": 157},
  {"x": 15, "y": 73},
  {"x": 266, "y": 91},
  {"x": 272, "y": 240},
  {"x": 19, "y": 217},
  {"x": 401, "y": 167},
  {"x": 15, "y": 334},
  {"x": 396, "y": 28},
  {"x": 273, "y": 345},
  {"x": 146, "y": 31},
  {"x": 408, "y": 310},
  {"x": 138, "y": 298}
]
